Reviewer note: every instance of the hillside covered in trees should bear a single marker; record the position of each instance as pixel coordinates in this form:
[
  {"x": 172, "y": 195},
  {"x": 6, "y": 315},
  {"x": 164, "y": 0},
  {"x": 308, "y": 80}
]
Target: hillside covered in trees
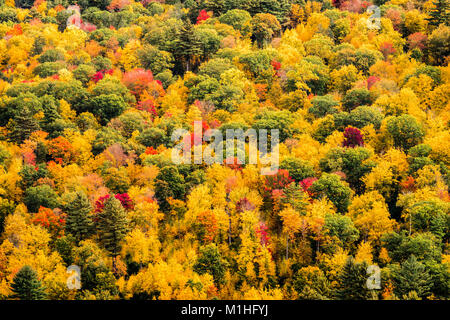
[{"x": 91, "y": 92}]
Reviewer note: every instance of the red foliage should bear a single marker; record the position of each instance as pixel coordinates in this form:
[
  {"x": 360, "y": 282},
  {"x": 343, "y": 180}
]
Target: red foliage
[
  {"x": 61, "y": 149},
  {"x": 48, "y": 219},
  {"x": 244, "y": 205},
  {"x": 307, "y": 183},
  {"x": 353, "y": 137},
  {"x": 150, "y": 150},
  {"x": 264, "y": 237},
  {"x": 202, "y": 16},
  {"x": 117, "y": 5},
  {"x": 124, "y": 199},
  {"x": 137, "y": 80},
  {"x": 278, "y": 181},
  {"x": 100, "y": 74},
  {"x": 395, "y": 16},
  {"x": 387, "y": 49},
  {"x": 210, "y": 225},
  {"x": 233, "y": 163},
  {"x": 417, "y": 40},
  {"x": 276, "y": 65},
  {"x": 148, "y": 106},
  {"x": 408, "y": 185},
  {"x": 371, "y": 81}
]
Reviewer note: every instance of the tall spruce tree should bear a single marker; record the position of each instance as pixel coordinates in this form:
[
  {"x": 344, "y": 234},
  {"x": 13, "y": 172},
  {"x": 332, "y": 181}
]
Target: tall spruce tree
[
  {"x": 440, "y": 13},
  {"x": 352, "y": 281},
  {"x": 22, "y": 126},
  {"x": 187, "y": 45},
  {"x": 412, "y": 276},
  {"x": 78, "y": 221},
  {"x": 26, "y": 285},
  {"x": 112, "y": 226}
]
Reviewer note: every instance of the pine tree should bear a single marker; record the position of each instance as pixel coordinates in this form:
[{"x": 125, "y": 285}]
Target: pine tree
[
  {"x": 79, "y": 222},
  {"x": 412, "y": 277},
  {"x": 112, "y": 226},
  {"x": 187, "y": 44},
  {"x": 440, "y": 14},
  {"x": 22, "y": 126},
  {"x": 26, "y": 285},
  {"x": 352, "y": 281}
]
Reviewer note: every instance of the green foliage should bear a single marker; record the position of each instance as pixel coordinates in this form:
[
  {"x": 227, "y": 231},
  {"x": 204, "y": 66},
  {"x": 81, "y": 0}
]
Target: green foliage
[
  {"x": 323, "y": 105},
  {"x": 352, "y": 281},
  {"x": 330, "y": 185},
  {"x": 210, "y": 261},
  {"x": 412, "y": 276},
  {"x": 169, "y": 184},
  {"x": 42, "y": 195},
  {"x": 26, "y": 285},
  {"x": 112, "y": 226},
  {"x": 78, "y": 221}
]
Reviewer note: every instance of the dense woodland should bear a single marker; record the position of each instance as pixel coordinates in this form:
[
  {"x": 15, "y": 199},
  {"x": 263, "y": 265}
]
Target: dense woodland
[{"x": 91, "y": 91}]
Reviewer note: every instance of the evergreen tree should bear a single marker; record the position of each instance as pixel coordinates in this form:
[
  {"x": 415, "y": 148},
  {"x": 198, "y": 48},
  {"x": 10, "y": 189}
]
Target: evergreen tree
[
  {"x": 112, "y": 226},
  {"x": 210, "y": 261},
  {"x": 439, "y": 14},
  {"x": 78, "y": 222},
  {"x": 187, "y": 45},
  {"x": 352, "y": 281},
  {"x": 22, "y": 126},
  {"x": 412, "y": 276},
  {"x": 26, "y": 285}
]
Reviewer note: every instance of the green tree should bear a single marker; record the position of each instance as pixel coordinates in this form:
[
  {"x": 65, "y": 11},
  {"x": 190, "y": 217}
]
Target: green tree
[
  {"x": 107, "y": 106},
  {"x": 187, "y": 45},
  {"x": 112, "y": 226},
  {"x": 22, "y": 126},
  {"x": 169, "y": 183},
  {"x": 79, "y": 222},
  {"x": 26, "y": 285},
  {"x": 331, "y": 186},
  {"x": 264, "y": 26},
  {"x": 405, "y": 131},
  {"x": 440, "y": 13},
  {"x": 42, "y": 195},
  {"x": 210, "y": 261},
  {"x": 352, "y": 281},
  {"x": 412, "y": 276}
]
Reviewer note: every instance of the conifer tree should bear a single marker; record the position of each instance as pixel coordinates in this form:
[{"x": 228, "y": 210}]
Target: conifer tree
[
  {"x": 22, "y": 126},
  {"x": 352, "y": 281},
  {"x": 112, "y": 226},
  {"x": 26, "y": 285},
  {"x": 412, "y": 276},
  {"x": 78, "y": 221},
  {"x": 439, "y": 14},
  {"x": 187, "y": 44}
]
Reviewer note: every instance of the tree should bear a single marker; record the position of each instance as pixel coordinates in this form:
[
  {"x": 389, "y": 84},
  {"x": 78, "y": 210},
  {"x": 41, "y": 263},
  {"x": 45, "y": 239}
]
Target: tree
[
  {"x": 330, "y": 185},
  {"x": 357, "y": 97},
  {"x": 107, "y": 106},
  {"x": 440, "y": 13},
  {"x": 412, "y": 276},
  {"x": 352, "y": 284},
  {"x": 439, "y": 44},
  {"x": 26, "y": 285},
  {"x": 79, "y": 222},
  {"x": 112, "y": 226},
  {"x": 210, "y": 261},
  {"x": 169, "y": 184},
  {"x": 187, "y": 45},
  {"x": 22, "y": 126},
  {"x": 323, "y": 105},
  {"x": 42, "y": 195},
  {"x": 405, "y": 130},
  {"x": 264, "y": 27}
]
